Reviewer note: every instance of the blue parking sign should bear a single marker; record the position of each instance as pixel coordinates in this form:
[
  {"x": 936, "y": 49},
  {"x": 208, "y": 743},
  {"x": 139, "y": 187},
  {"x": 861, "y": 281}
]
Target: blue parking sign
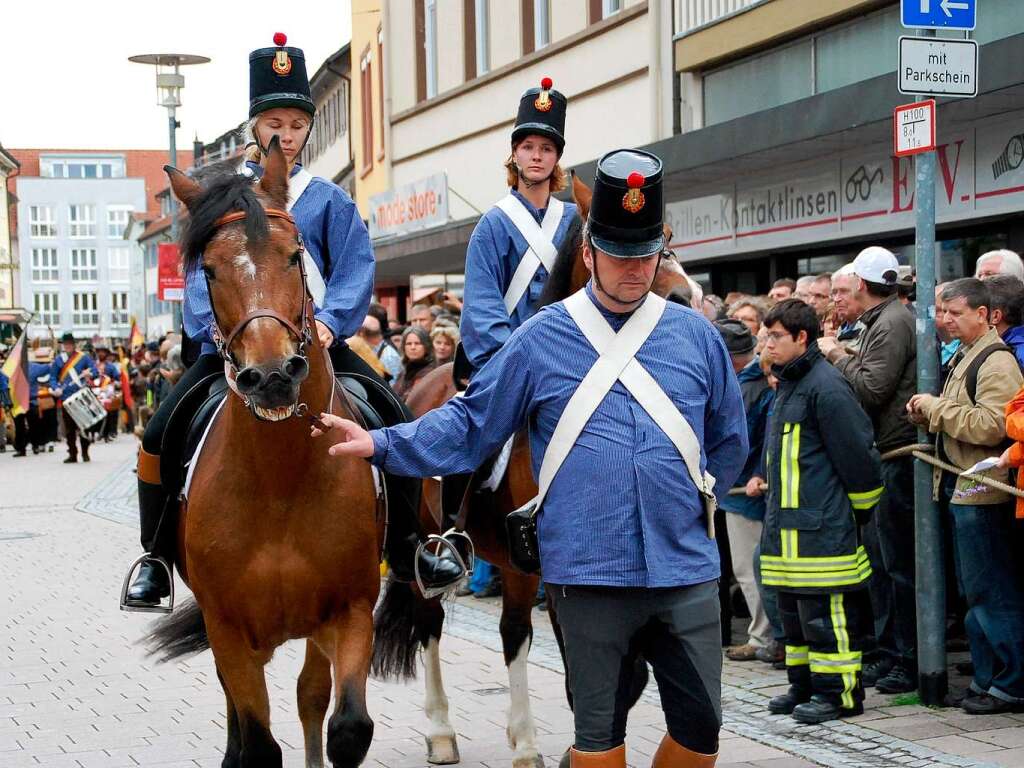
[{"x": 944, "y": 14}]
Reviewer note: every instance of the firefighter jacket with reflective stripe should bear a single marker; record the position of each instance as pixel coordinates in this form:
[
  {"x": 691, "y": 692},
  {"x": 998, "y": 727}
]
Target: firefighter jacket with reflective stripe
[{"x": 822, "y": 467}]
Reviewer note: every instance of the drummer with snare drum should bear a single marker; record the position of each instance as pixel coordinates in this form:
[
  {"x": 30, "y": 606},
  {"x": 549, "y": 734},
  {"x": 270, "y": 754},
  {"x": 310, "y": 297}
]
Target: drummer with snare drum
[{"x": 70, "y": 371}]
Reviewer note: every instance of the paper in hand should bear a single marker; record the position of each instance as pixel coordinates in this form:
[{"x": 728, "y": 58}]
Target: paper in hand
[{"x": 982, "y": 466}]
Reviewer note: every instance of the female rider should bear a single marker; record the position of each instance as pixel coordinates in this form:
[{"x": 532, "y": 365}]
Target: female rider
[{"x": 340, "y": 275}]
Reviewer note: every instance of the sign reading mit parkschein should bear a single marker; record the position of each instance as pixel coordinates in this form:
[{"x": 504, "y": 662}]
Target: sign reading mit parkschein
[
  {"x": 931, "y": 66},
  {"x": 939, "y": 14}
]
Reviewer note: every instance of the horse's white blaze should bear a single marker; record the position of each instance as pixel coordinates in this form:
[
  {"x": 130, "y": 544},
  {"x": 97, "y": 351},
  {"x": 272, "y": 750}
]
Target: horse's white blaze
[
  {"x": 245, "y": 263},
  {"x": 522, "y": 735},
  {"x": 436, "y": 702}
]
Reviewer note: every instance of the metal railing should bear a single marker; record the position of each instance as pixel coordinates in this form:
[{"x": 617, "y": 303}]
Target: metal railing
[{"x": 694, "y": 14}]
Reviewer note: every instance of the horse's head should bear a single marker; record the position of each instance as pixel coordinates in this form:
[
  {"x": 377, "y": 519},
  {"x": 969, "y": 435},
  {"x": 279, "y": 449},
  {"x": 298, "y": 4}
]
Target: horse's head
[{"x": 250, "y": 255}]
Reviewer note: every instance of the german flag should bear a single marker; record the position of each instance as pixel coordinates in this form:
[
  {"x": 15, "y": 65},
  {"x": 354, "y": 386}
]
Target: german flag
[
  {"x": 136, "y": 339},
  {"x": 16, "y": 371}
]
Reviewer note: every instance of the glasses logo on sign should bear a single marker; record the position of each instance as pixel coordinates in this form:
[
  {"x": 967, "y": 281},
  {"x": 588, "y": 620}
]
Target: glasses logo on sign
[{"x": 860, "y": 184}]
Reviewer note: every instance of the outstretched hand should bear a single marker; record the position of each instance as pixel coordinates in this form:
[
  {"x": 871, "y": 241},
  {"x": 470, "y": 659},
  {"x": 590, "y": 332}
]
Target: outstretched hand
[{"x": 354, "y": 440}]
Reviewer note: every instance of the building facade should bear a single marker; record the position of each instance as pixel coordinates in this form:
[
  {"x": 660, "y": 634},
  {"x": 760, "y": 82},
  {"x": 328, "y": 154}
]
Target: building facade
[
  {"x": 75, "y": 272},
  {"x": 328, "y": 152},
  {"x": 783, "y": 164},
  {"x": 8, "y": 265},
  {"x": 436, "y": 125}
]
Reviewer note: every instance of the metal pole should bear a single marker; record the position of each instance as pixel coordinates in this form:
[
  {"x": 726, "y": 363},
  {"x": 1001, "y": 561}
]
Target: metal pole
[
  {"x": 931, "y": 582},
  {"x": 172, "y": 125}
]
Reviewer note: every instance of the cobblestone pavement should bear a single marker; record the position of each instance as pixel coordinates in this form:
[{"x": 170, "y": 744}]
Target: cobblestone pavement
[{"x": 76, "y": 690}]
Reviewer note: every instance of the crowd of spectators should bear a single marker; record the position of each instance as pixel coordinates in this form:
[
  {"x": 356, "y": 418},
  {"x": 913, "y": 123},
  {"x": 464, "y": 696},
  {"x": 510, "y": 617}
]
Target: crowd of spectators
[{"x": 867, "y": 332}]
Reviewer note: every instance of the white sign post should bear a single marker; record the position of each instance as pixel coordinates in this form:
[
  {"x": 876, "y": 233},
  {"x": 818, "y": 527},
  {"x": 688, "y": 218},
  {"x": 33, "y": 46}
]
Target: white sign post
[
  {"x": 914, "y": 128},
  {"x": 933, "y": 67}
]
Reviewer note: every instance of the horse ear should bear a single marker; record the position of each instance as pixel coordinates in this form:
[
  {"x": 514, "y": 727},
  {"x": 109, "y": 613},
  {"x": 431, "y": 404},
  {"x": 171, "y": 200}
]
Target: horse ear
[
  {"x": 275, "y": 174},
  {"x": 185, "y": 189},
  {"x": 581, "y": 195}
]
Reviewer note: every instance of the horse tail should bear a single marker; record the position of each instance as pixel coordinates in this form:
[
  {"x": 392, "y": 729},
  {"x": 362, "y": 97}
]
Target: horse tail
[
  {"x": 396, "y": 635},
  {"x": 182, "y": 633}
]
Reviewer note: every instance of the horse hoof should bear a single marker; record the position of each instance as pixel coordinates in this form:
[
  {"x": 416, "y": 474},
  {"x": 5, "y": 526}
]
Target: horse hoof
[
  {"x": 442, "y": 750},
  {"x": 537, "y": 761}
]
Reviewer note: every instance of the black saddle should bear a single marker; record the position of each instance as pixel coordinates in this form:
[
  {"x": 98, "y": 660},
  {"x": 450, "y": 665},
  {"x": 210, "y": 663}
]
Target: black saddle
[{"x": 194, "y": 411}]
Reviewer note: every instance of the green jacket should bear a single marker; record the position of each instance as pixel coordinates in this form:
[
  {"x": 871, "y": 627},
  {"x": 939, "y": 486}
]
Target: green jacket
[{"x": 822, "y": 467}]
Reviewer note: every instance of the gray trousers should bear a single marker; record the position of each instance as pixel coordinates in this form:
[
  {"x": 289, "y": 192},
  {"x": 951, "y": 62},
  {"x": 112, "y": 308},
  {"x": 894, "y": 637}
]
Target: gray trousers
[{"x": 675, "y": 629}]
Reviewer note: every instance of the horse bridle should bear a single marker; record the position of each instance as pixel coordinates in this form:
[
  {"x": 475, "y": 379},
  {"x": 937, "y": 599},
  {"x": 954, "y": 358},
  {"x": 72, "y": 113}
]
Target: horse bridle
[{"x": 303, "y": 333}]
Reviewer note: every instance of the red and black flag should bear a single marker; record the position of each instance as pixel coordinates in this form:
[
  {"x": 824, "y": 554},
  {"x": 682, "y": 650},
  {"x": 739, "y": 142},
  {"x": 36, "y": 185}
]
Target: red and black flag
[{"x": 16, "y": 371}]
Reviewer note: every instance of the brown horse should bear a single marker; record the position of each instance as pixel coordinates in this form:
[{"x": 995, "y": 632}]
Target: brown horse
[
  {"x": 279, "y": 540},
  {"x": 485, "y": 525}
]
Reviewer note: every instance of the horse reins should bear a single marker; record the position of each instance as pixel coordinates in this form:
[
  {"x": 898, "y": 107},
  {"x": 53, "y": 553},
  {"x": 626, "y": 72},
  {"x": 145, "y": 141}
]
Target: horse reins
[{"x": 304, "y": 333}]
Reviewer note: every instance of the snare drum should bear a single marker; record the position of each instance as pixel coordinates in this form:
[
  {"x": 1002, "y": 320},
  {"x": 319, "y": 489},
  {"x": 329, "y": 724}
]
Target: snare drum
[{"x": 84, "y": 408}]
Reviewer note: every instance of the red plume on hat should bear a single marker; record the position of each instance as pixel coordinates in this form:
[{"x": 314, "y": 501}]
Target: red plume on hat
[
  {"x": 543, "y": 100},
  {"x": 282, "y": 63},
  {"x": 633, "y": 201}
]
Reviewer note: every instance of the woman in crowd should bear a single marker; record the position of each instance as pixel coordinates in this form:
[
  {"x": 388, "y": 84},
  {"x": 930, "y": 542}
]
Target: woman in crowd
[
  {"x": 445, "y": 339},
  {"x": 417, "y": 359}
]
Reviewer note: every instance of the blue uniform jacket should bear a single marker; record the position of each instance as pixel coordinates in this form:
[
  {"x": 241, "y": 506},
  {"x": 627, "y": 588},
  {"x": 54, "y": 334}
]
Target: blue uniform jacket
[
  {"x": 622, "y": 510},
  {"x": 85, "y": 368},
  {"x": 1014, "y": 339},
  {"x": 494, "y": 252},
  {"x": 758, "y": 410},
  {"x": 35, "y": 372},
  {"x": 336, "y": 238}
]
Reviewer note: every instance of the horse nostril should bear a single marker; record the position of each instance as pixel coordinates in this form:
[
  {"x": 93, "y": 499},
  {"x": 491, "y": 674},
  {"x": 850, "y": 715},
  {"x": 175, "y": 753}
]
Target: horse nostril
[
  {"x": 248, "y": 379},
  {"x": 296, "y": 368}
]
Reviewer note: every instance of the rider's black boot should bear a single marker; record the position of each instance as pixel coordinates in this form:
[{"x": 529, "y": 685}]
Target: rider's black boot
[
  {"x": 403, "y": 539},
  {"x": 153, "y": 582}
]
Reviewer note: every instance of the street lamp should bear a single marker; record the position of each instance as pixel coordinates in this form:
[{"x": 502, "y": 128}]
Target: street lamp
[{"x": 169, "y": 82}]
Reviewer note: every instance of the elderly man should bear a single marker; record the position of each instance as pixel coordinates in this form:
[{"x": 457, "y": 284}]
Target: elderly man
[
  {"x": 814, "y": 290},
  {"x": 625, "y": 542},
  {"x": 1007, "y": 312},
  {"x": 969, "y": 420},
  {"x": 420, "y": 316},
  {"x": 849, "y": 307},
  {"x": 1001, "y": 262},
  {"x": 371, "y": 333}
]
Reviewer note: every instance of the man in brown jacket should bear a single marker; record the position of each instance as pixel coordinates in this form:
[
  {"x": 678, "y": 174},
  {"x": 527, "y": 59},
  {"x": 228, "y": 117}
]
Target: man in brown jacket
[
  {"x": 883, "y": 373},
  {"x": 968, "y": 419}
]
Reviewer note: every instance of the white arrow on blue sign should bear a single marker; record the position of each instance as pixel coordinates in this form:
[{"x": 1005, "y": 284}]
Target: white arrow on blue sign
[{"x": 945, "y": 14}]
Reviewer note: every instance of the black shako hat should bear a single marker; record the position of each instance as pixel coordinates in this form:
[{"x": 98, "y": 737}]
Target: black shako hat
[
  {"x": 277, "y": 78},
  {"x": 736, "y": 335},
  {"x": 626, "y": 212},
  {"x": 541, "y": 112},
  {"x": 67, "y": 337}
]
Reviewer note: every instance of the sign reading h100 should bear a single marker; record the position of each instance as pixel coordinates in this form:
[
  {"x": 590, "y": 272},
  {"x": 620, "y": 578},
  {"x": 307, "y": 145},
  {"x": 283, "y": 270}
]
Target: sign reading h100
[{"x": 933, "y": 67}]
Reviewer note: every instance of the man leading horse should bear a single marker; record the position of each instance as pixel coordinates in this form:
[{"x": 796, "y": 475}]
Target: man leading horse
[{"x": 634, "y": 418}]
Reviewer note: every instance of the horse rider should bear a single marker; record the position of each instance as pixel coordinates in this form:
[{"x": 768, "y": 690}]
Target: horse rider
[
  {"x": 513, "y": 247},
  {"x": 340, "y": 273},
  {"x": 626, "y": 505},
  {"x": 69, "y": 372}
]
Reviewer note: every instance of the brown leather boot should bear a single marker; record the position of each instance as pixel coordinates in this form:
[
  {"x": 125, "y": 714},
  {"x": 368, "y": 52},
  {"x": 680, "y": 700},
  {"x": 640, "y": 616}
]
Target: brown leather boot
[
  {"x": 612, "y": 758},
  {"x": 672, "y": 754}
]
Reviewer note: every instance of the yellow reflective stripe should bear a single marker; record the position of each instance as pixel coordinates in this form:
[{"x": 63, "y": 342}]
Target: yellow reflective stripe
[
  {"x": 836, "y": 668},
  {"x": 794, "y": 456},
  {"x": 797, "y": 655},
  {"x": 842, "y": 644},
  {"x": 794, "y": 538},
  {"x": 784, "y": 468},
  {"x": 789, "y": 544},
  {"x": 783, "y": 579},
  {"x": 814, "y": 564},
  {"x": 866, "y": 499}
]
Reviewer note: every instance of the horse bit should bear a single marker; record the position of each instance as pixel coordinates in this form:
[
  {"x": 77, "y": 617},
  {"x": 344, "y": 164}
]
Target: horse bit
[{"x": 304, "y": 333}]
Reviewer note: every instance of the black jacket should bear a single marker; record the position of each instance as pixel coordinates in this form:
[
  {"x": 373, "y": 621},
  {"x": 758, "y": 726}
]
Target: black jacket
[{"x": 822, "y": 467}]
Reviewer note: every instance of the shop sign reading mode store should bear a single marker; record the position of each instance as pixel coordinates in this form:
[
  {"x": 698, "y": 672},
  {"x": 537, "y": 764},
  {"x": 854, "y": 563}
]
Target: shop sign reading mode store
[{"x": 864, "y": 192}]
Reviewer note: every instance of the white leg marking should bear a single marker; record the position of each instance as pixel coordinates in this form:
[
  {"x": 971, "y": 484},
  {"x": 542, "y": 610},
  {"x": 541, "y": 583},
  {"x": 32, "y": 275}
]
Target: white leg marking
[
  {"x": 522, "y": 735},
  {"x": 441, "y": 744}
]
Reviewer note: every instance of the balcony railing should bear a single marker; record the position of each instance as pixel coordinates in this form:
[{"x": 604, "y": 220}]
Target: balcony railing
[{"x": 694, "y": 14}]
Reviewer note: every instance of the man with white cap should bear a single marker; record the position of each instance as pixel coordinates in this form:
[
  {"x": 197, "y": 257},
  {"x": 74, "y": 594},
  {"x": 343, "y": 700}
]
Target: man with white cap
[{"x": 883, "y": 375}]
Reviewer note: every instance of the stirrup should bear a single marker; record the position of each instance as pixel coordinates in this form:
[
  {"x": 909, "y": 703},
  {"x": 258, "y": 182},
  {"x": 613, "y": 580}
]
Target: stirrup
[
  {"x": 126, "y": 606},
  {"x": 440, "y": 545}
]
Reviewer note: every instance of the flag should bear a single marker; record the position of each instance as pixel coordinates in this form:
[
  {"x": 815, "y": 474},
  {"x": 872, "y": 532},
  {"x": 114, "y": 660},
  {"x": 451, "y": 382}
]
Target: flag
[
  {"x": 126, "y": 384},
  {"x": 16, "y": 371},
  {"x": 136, "y": 339}
]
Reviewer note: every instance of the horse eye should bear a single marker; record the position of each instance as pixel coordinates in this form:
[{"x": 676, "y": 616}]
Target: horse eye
[
  {"x": 294, "y": 260},
  {"x": 208, "y": 271}
]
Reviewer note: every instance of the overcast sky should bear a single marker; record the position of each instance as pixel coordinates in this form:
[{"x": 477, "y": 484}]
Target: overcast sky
[{"x": 66, "y": 81}]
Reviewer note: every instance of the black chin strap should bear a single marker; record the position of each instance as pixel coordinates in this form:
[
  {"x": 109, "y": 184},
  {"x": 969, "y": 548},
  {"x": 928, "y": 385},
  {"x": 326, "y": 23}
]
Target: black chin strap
[{"x": 600, "y": 287}]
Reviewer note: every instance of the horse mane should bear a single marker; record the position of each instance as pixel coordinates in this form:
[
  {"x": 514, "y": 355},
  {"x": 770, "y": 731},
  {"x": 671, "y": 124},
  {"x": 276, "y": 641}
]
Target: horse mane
[
  {"x": 221, "y": 194},
  {"x": 559, "y": 282}
]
